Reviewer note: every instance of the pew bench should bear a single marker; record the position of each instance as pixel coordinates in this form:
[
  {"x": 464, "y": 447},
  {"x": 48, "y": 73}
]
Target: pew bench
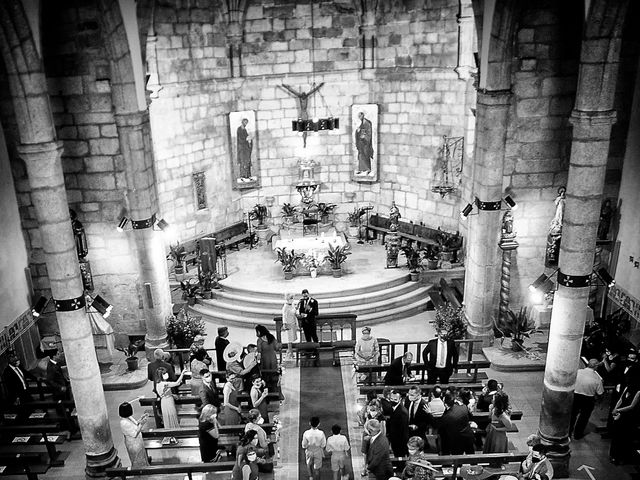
[
  {"x": 511, "y": 462},
  {"x": 51, "y": 411},
  {"x": 471, "y": 375},
  {"x": 25, "y": 463},
  {"x": 47, "y": 435},
  {"x": 369, "y": 390},
  {"x": 154, "y": 471}
]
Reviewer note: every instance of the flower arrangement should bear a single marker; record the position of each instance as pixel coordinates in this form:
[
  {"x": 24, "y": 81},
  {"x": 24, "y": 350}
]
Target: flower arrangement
[
  {"x": 183, "y": 328},
  {"x": 450, "y": 322},
  {"x": 313, "y": 260}
]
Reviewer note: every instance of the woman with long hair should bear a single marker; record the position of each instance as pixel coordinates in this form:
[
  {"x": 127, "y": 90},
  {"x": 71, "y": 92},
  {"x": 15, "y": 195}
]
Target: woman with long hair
[
  {"x": 167, "y": 404},
  {"x": 208, "y": 433},
  {"x": 496, "y": 441},
  {"x": 246, "y": 467},
  {"x": 290, "y": 322},
  {"x": 267, "y": 348},
  {"x": 258, "y": 396}
]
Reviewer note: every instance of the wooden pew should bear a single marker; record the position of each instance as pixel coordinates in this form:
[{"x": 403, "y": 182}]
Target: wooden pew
[
  {"x": 472, "y": 375},
  {"x": 25, "y": 463},
  {"x": 55, "y": 411},
  {"x": 403, "y": 389},
  {"x": 47, "y": 435},
  {"x": 391, "y": 350},
  {"x": 187, "y": 469}
]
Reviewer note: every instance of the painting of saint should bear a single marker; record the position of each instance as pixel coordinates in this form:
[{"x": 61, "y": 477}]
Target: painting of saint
[
  {"x": 244, "y": 149},
  {"x": 365, "y": 142}
]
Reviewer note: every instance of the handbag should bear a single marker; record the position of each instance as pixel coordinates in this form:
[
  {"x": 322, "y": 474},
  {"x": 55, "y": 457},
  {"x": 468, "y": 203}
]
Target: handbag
[{"x": 214, "y": 432}]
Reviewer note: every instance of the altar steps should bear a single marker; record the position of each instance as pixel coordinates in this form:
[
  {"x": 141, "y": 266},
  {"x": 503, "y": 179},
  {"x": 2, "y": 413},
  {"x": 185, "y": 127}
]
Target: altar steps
[{"x": 390, "y": 300}]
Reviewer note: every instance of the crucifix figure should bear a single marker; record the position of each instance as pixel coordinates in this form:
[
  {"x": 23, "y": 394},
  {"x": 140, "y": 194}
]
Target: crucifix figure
[{"x": 303, "y": 98}]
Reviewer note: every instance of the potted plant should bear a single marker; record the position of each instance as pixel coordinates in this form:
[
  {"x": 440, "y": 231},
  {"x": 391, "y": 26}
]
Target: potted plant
[
  {"x": 288, "y": 213},
  {"x": 177, "y": 253},
  {"x": 433, "y": 257},
  {"x": 207, "y": 281},
  {"x": 414, "y": 261},
  {"x": 515, "y": 326},
  {"x": 260, "y": 213},
  {"x": 183, "y": 328},
  {"x": 131, "y": 356},
  {"x": 313, "y": 262},
  {"x": 324, "y": 210},
  {"x": 336, "y": 256},
  {"x": 450, "y": 323},
  {"x": 354, "y": 221},
  {"x": 189, "y": 289},
  {"x": 289, "y": 260}
]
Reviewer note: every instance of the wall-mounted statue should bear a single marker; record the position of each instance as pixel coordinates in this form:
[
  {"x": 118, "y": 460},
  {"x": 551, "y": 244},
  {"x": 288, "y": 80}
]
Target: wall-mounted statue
[{"x": 555, "y": 231}]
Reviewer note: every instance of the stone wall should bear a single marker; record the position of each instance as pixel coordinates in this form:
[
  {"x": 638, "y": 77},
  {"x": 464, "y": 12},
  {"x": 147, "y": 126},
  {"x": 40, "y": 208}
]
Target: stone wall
[{"x": 420, "y": 99}]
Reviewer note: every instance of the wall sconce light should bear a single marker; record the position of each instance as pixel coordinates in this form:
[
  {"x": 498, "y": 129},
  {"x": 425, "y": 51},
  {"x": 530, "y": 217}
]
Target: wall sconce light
[
  {"x": 510, "y": 202},
  {"x": 123, "y": 223},
  {"x": 40, "y": 306},
  {"x": 102, "y": 306},
  {"x": 162, "y": 224},
  {"x": 464, "y": 213},
  {"x": 606, "y": 277}
]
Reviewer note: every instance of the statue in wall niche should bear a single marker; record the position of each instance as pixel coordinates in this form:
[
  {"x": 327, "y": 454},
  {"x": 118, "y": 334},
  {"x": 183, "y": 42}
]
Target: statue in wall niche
[
  {"x": 245, "y": 145},
  {"x": 606, "y": 214},
  {"x": 364, "y": 136},
  {"x": 555, "y": 230}
]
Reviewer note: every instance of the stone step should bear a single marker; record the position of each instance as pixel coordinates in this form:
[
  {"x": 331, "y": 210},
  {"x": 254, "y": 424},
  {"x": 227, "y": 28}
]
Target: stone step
[{"x": 233, "y": 299}]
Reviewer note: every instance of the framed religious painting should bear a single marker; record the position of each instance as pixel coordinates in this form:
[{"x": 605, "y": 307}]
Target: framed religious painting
[
  {"x": 243, "y": 135},
  {"x": 364, "y": 128}
]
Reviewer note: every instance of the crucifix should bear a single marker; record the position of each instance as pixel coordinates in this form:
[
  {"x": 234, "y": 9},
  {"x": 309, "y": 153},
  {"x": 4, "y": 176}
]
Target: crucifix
[{"x": 303, "y": 98}]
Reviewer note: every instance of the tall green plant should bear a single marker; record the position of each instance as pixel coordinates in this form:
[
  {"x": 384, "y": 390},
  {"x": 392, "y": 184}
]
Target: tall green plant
[
  {"x": 288, "y": 259},
  {"x": 515, "y": 326},
  {"x": 336, "y": 255},
  {"x": 183, "y": 328},
  {"x": 450, "y": 323}
]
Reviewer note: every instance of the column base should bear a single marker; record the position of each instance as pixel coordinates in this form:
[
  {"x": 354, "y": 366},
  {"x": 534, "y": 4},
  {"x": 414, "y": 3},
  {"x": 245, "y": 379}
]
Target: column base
[
  {"x": 98, "y": 464},
  {"x": 558, "y": 453}
]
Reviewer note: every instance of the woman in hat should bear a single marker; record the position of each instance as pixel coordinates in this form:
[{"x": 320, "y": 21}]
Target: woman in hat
[
  {"x": 366, "y": 351},
  {"x": 290, "y": 322}
]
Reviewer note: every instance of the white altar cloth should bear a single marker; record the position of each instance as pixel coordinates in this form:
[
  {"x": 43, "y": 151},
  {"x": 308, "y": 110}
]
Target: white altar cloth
[{"x": 304, "y": 244}]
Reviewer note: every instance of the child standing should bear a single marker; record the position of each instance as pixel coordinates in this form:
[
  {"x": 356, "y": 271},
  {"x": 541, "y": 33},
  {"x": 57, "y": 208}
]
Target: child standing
[
  {"x": 313, "y": 442},
  {"x": 338, "y": 445}
]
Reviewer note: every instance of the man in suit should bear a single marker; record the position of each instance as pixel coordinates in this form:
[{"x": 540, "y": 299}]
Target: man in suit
[
  {"x": 158, "y": 355},
  {"x": 14, "y": 380},
  {"x": 441, "y": 358},
  {"x": 419, "y": 416},
  {"x": 307, "y": 311},
  {"x": 456, "y": 436},
  {"x": 208, "y": 392},
  {"x": 56, "y": 379},
  {"x": 398, "y": 426},
  {"x": 221, "y": 343},
  {"x": 378, "y": 459},
  {"x": 398, "y": 371}
]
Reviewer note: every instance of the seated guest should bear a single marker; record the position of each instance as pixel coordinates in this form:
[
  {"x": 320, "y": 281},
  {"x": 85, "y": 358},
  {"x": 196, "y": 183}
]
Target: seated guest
[
  {"x": 441, "y": 358},
  {"x": 208, "y": 434},
  {"x": 208, "y": 391},
  {"x": 255, "y": 419},
  {"x": 465, "y": 397},
  {"x": 159, "y": 361},
  {"x": 417, "y": 467},
  {"x": 398, "y": 426},
  {"x": 14, "y": 379},
  {"x": 398, "y": 372},
  {"x": 435, "y": 404},
  {"x": 539, "y": 467},
  {"x": 456, "y": 436},
  {"x": 485, "y": 399}
]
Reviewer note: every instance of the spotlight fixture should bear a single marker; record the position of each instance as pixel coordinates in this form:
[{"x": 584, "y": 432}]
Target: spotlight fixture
[
  {"x": 39, "y": 306},
  {"x": 606, "y": 277},
  {"x": 102, "y": 306},
  {"x": 538, "y": 282},
  {"x": 510, "y": 202},
  {"x": 542, "y": 292},
  {"x": 123, "y": 223},
  {"x": 162, "y": 224},
  {"x": 464, "y": 213}
]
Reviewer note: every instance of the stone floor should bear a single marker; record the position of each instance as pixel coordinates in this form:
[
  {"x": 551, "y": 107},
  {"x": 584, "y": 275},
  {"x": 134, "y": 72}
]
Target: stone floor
[{"x": 524, "y": 389}]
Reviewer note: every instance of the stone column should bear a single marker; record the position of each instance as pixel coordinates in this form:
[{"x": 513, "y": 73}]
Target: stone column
[
  {"x": 483, "y": 262},
  {"x": 587, "y": 168},
  {"x": 52, "y": 211},
  {"x": 135, "y": 145}
]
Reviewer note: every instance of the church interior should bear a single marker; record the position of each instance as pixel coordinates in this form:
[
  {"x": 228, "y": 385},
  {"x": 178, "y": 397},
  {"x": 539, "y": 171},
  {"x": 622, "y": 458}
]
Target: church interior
[{"x": 466, "y": 169}]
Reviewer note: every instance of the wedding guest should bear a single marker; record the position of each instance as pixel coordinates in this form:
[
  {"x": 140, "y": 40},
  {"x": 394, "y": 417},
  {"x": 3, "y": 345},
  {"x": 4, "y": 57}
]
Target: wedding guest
[
  {"x": 208, "y": 392},
  {"x": 200, "y": 362},
  {"x": 132, "y": 431},
  {"x": 290, "y": 323},
  {"x": 14, "y": 379},
  {"x": 159, "y": 361},
  {"x": 496, "y": 441},
  {"x": 418, "y": 466},
  {"x": 208, "y": 433},
  {"x": 268, "y": 347},
  {"x": 366, "y": 351},
  {"x": 167, "y": 403},
  {"x": 221, "y": 343},
  {"x": 258, "y": 395}
]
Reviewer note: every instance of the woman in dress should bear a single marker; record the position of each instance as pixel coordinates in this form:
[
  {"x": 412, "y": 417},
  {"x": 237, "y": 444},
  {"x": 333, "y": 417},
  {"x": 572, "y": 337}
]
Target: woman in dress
[
  {"x": 208, "y": 433},
  {"x": 258, "y": 395},
  {"x": 246, "y": 467},
  {"x": 230, "y": 404},
  {"x": 366, "y": 351},
  {"x": 267, "y": 348},
  {"x": 418, "y": 467},
  {"x": 626, "y": 414},
  {"x": 496, "y": 441},
  {"x": 373, "y": 411},
  {"x": 248, "y": 440},
  {"x": 132, "y": 431},
  {"x": 290, "y": 322},
  {"x": 167, "y": 404}
]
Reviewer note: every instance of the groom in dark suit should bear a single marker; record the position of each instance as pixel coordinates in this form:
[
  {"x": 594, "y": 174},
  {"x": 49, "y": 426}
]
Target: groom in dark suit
[
  {"x": 307, "y": 311},
  {"x": 441, "y": 358}
]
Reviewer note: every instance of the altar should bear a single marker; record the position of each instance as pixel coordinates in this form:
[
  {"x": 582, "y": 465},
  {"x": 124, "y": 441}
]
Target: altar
[{"x": 319, "y": 244}]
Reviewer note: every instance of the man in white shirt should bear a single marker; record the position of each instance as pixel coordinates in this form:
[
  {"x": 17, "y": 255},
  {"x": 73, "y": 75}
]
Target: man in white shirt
[
  {"x": 14, "y": 380},
  {"x": 313, "y": 442},
  {"x": 441, "y": 359},
  {"x": 588, "y": 387}
]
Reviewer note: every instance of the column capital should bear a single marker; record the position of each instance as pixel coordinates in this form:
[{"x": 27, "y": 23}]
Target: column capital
[
  {"x": 132, "y": 119},
  {"x": 494, "y": 97},
  {"x": 588, "y": 119}
]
